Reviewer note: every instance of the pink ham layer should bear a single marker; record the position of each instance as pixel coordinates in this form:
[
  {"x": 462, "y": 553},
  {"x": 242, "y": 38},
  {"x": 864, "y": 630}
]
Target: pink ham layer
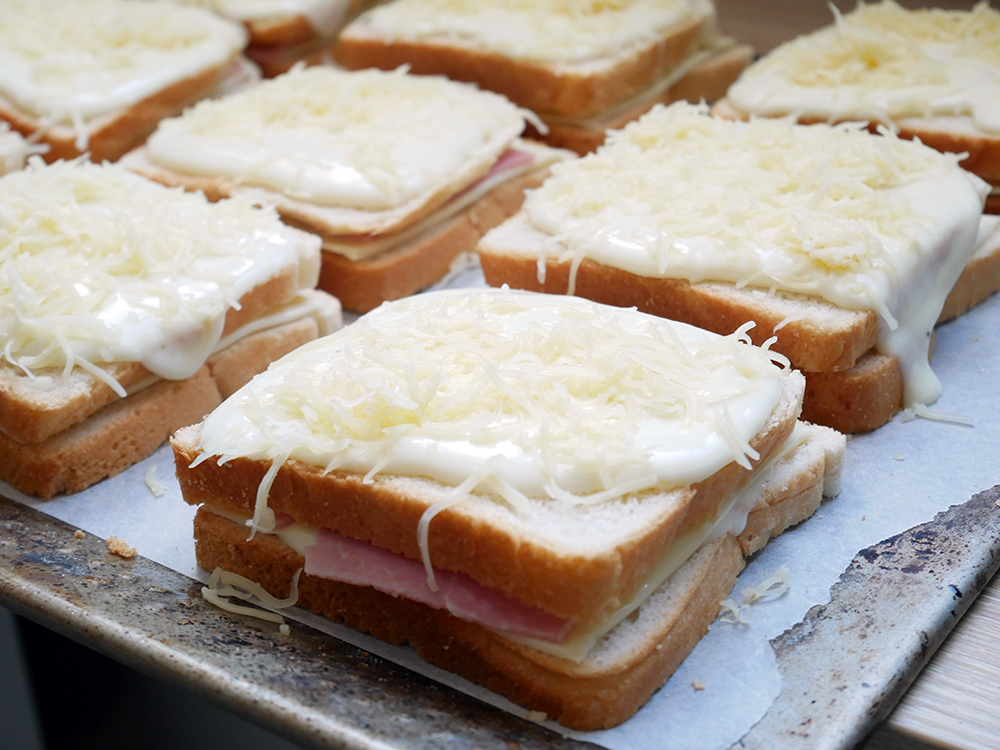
[{"x": 341, "y": 558}]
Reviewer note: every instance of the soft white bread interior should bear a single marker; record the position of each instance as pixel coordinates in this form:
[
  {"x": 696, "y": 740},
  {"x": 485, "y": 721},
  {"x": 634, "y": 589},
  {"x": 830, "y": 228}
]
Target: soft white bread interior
[
  {"x": 626, "y": 666},
  {"x": 96, "y": 76}
]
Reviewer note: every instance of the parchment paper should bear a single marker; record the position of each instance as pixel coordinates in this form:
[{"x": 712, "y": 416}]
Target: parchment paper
[{"x": 896, "y": 477}]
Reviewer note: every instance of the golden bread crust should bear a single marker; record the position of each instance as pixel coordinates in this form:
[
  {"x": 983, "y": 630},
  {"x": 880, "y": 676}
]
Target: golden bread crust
[
  {"x": 121, "y": 132},
  {"x": 363, "y": 285},
  {"x": 712, "y": 306},
  {"x": 544, "y": 88}
]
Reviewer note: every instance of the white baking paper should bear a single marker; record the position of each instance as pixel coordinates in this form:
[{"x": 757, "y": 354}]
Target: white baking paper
[{"x": 896, "y": 477}]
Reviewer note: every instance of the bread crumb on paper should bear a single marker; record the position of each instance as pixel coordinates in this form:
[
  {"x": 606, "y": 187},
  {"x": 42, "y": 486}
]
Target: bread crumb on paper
[
  {"x": 698, "y": 686},
  {"x": 119, "y": 547},
  {"x": 536, "y": 716}
]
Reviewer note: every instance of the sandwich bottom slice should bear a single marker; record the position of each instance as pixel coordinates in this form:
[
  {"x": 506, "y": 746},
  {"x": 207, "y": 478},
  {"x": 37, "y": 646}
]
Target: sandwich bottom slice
[
  {"x": 126, "y": 430},
  {"x": 625, "y": 667}
]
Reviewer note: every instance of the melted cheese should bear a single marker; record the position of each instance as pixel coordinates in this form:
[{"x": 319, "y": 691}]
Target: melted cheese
[
  {"x": 865, "y": 222},
  {"x": 368, "y": 139},
  {"x": 562, "y": 31},
  {"x": 583, "y": 402},
  {"x": 75, "y": 61},
  {"x": 884, "y": 63},
  {"x": 99, "y": 265}
]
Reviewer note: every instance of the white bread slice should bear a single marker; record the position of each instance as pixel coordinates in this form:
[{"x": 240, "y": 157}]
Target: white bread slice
[
  {"x": 576, "y": 89},
  {"x": 126, "y": 120},
  {"x": 704, "y": 75},
  {"x": 627, "y": 665}
]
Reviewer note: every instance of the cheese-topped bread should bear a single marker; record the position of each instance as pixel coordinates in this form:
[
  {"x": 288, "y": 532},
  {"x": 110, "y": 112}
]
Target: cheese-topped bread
[
  {"x": 831, "y": 238},
  {"x": 95, "y": 76},
  {"x": 579, "y": 65},
  {"x": 112, "y": 283},
  {"x": 562, "y": 457},
  {"x": 930, "y": 74},
  {"x": 359, "y": 158}
]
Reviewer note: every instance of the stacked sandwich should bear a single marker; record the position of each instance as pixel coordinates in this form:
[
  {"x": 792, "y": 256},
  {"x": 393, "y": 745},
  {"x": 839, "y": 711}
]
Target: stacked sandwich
[
  {"x": 543, "y": 494},
  {"x": 130, "y": 310},
  {"x": 284, "y": 32},
  {"x": 842, "y": 244},
  {"x": 95, "y": 76},
  {"x": 583, "y": 67},
  {"x": 927, "y": 74},
  {"x": 398, "y": 174}
]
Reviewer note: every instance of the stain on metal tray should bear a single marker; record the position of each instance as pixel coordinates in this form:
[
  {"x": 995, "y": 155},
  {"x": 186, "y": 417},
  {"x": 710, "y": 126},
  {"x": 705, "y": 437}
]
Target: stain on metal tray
[
  {"x": 848, "y": 662},
  {"x": 313, "y": 689}
]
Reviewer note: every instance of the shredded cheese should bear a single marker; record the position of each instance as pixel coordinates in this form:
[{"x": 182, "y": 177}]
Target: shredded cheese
[
  {"x": 98, "y": 265},
  {"x": 224, "y": 585},
  {"x": 565, "y": 31},
  {"x": 155, "y": 486},
  {"x": 774, "y": 587},
  {"x": 75, "y": 61}
]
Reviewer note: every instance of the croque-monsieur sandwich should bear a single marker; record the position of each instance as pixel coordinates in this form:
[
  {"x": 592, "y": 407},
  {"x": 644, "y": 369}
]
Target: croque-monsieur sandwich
[
  {"x": 398, "y": 174},
  {"x": 545, "y": 495},
  {"x": 95, "y": 76},
  {"x": 583, "y": 66},
  {"x": 129, "y": 310},
  {"x": 841, "y": 243},
  {"x": 930, "y": 74},
  {"x": 283, "y": 32}
]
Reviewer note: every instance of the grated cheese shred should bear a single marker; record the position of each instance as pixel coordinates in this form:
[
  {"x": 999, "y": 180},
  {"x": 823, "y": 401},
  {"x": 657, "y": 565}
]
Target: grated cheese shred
[{"x": 224, "y": 585}]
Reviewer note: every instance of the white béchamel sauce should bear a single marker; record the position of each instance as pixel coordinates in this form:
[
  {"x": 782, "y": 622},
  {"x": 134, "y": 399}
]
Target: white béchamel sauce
[
  {"x": 76, "y": 61},
  {"x": 368, "y": 139}
]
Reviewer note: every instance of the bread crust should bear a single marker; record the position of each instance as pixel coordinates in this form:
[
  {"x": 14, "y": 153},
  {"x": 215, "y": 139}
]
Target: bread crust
[
  {"x": 603, "y": 690},
  {"x": 108, "y": 442},
  {"x": 568, "y": 90},
  {"x": 124, "y": 431},
  {"x": 363, "y": 285},
  {"x": 707, "y": 81},
  {"x": 833, "y": 345},
  {"x": 30, "y": 415},
  {"x": 116, "y": 134},
  {"x": 581, "y": 583}
]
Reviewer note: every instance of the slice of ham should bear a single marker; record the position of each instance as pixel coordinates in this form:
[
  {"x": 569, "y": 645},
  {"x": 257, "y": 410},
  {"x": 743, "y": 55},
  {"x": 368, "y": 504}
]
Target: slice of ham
[{"x": 341, "y": 558}]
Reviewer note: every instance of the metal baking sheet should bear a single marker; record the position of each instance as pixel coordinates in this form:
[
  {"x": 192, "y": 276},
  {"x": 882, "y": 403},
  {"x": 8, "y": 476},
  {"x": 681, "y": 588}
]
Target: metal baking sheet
[{"x": 898, "y": 478}]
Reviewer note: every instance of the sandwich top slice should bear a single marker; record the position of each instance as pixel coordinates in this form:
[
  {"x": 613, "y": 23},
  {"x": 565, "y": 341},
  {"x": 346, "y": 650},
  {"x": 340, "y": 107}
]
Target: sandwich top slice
[
  {"x": 831, "y": 238},
  {"x": 113, "y": 288},
  {"x": 370, "y": 161},
  {"x": 531, "y": 467},
  {"x": 929, "y": 74},
  {"x": 95, "y": 76},
  {"x": 582, "y": 66}
]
